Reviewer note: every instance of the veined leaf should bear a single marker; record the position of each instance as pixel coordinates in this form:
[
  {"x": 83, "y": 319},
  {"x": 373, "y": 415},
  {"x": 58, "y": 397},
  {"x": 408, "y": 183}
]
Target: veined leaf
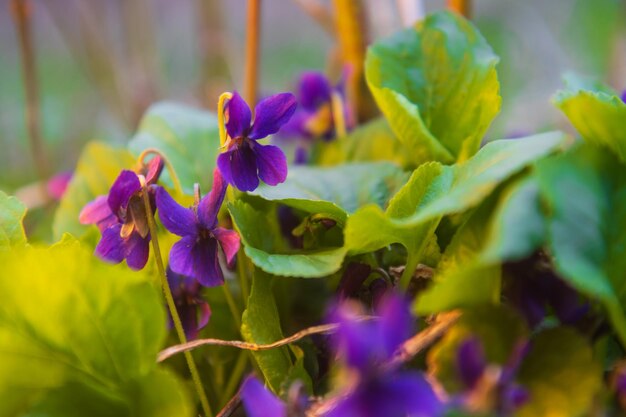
[
  {"x": 437, "y": 86},
  {"x": 12, "y": 212}
]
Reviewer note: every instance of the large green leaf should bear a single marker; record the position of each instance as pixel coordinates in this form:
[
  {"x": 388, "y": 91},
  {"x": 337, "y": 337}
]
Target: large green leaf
[
  {"x": 586, "y": 193},
  {"x": 12, "y": 212},
  {"x": 187, "y": 136},
  {"x": 261, "y": 324},
  {"x": 97, "y": 168},
  {"x": 437, "y": 86},
  {"x": 262, "y": 247},
  {"x": 596, "y": 112},
  {"x": 337, "y": 191},
  {"x": 72, "y": 324}
]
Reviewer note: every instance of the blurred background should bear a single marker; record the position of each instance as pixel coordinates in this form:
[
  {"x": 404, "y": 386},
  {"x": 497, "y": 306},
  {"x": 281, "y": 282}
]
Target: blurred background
[{"x": 101, "y": 63}]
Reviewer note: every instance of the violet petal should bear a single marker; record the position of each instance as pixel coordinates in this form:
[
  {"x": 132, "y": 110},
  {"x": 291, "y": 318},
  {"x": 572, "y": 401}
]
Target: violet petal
[
  {"x": 198, "y": 259},
  {"x": 210, "y": 204},
  {"x": 126, "y": 184},
  {"x": 272, "y": 164},
  {"x": 314, "y": 89},
  {"x": 137, "y": 250},
  {"x": 176, "y": 218},
  {"x": 471, "y": 361},
  {"x": 239, "y": 116},
  {"x": 111, "y": 245},
  {"x": 395, "y": 322},
  {"x": 229, "y": 241},
  {"x": 271, "y": 113},
  {"x": 238, "y": 167},
  {"x": 259, "y": 401},
  {"x": 99, "y": 213}
]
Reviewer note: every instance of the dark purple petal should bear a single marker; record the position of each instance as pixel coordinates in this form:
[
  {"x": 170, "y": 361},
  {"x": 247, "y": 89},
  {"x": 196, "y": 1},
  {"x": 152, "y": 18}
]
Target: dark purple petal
[
  {"x": 239, "y": 116},
  {"x": 126, "y": 184},
  {"x": 271, "y": 113},
  {"x": 210, "y": 204},
  {"x": 111, "y": 247},
  {"x": 238, "y": 167},
  {"x": 176, "y": 218},
  {"x": 378, "y": 291},
  {"x": 137, "y": 250},
  {"x": 197, "y": 258},
  {"x": 395, "y": 323},
  {"x": 513, "y": 397},
  {"x": 272, "y": 164},
  {"x": 99, "y": 213},
  {"x": 471, "y": 361},
  {"x": 314, "y": 89},
  {"x": 229, "y": 241},
  {"x": 352, "y": 279},
  {"x": 260, "y": 402}
]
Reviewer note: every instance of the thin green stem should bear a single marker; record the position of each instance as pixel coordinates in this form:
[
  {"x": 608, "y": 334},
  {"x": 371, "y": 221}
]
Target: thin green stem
[
  {"x": 178, "y": 325},
  {"x": 235, "y": 376},
  {"x": 409, "y": 270},
  {"x": 242, "y": 271}
]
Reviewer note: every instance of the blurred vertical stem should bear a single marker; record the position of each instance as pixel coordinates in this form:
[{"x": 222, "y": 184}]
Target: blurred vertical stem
[
  {"x": 253, "y": 32},
  {"x": 22, "y": 12},
  {"x": 178, "y": 325},
  {"x": 352, "y": 35},
  {"x": 463, "y": 7}
]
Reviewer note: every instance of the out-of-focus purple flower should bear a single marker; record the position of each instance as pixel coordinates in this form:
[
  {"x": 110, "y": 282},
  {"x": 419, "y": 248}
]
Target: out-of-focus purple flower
[
  {"x": 624, "y": 96},
  {"x": 490, "y": 388},
  {"x": 193, "y": 310},
  {"x": 314, "y": 117},
  {"x": 121, "y": 216},
  {"x": 196, "y": 254},
  {"x": 258, "y": 401},
  {"x": 365, "y": 345},
  {"x": 246, "y": 160},
  {"x": 352, "y": 279},
  {"x": 57, "y": 185}
]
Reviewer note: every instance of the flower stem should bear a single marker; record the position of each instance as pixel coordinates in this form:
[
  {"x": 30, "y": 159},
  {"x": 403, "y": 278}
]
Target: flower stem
[
  {"x": 252, "y": 50},
  {"x": 463, "y": 7},
  {"x": 172, "y": 307},
  {"x": 409, "y": 270},
  {"x": 338, "y": 114}
]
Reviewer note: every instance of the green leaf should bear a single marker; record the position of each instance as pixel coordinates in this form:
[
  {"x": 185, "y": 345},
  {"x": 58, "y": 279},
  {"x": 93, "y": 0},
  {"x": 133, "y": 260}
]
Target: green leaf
[
  {"x": 437, "y": 86},
  {"x": 337, "y": 191},
  {"x": 261, "y": 324},
  {"x": 558, "y": 357},
  {"x": 97, "y": 168},
  {"x": 498, "y": 329},
  {"x": 263, "y": 249},
  {"x": 586, "y": 193},
  {"x": 71, "y": 323},
  {"x": 596, "y": 112},
  {"x": 12, "y": 212},
  {"x": 187, "y": 136}
]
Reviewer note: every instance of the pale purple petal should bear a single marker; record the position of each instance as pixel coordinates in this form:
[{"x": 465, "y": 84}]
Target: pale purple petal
[
  {"x": 176, "y": 218},
  {"x": 153, "y": 170},
  {"x": 238, "y": 167},
  {"x": 271, "y": 113},
  {"x": 111, "y": 245},
  {"x": 99, "y": 213},
  {"x": 272, "y": 164},
  {"x": 197, "y": 259},
  {"x": 229, "y": 241},
  {"x": 126, "y": 184},
  {"x": 57, "y": 185},
  {"x": 239, "y": 116},
  {"x": 260, "y": 402},
  {"x": 205, "y": 314},
  {"x": 314, "y": 90},
  {"x": 210, "y": 204},
  {"x": 137, "y": 250}
]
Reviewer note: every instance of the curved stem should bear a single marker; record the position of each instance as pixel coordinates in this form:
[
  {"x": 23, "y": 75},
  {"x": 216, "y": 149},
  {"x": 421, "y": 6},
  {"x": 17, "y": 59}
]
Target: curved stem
[
  {"x": 170, "y": 168},
  {"x": 172, "y": 307},
  {"x": 220, "y": 116}
]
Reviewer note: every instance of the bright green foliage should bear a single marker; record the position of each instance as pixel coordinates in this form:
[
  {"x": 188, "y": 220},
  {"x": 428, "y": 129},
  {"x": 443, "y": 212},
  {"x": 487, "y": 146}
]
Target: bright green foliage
[
  {"x": 586, "y": 193},
  {"x": 261, "y": 324},
  {"x": 596, "y": 112},
  {"x": 264, "y": 249},
  {"x": 72, "y": 326},
  {"x": 437, "y": 86},
  {"x": 12, "y": 212},
  {"x": 561, "y": 375},
  {"x": 187, "y": 136},
  {"x": 498, "y": 329},
  {"x": 97, "y": 168}
]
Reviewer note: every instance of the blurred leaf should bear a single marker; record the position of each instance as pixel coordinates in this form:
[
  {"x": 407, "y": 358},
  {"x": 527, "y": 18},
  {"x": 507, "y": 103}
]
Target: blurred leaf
[
  {"x": 599, "y": 115},
  {"x": 437, "y": 86},
  {"x": 187, "y": 136},
  {"x": 97, "y": 168},
  {"x": 337, "y": 191},
  {"x": 261, "y": 324},
  {"x": 262, "y": 249},
  {"x": 72, "y": 324},
  {"x": 556, "y": 358},
  {"x": 586, "y": 193},
  {"x": 498, "y": 329},
  {"x": 12, "y": 213}
]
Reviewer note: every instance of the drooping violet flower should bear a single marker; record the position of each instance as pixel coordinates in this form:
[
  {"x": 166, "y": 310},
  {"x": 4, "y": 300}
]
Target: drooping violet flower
[
  {"x": 365, "y": 347},
  {"x": 122, "y": 218},
  {"x": 196, "y": 254},
  {"x": 258, "y": 401},
  {"x": 57, "y": 185},
  {"x": 246, "y": 160},
  {"x": 193, "y": 310},
  {"x": 624, "y": 96}
]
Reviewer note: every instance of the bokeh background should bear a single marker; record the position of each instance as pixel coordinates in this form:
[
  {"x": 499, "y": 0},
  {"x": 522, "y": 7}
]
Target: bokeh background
[{"x": 100, "y": 63}]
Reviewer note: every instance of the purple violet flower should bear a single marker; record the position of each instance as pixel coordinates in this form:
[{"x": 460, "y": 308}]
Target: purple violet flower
[
  {"x": 246, "y": 160},
  {"x": 121, "y": 216},
  {"x": 624, "y": 96},
  {"x": 258, "y": 401},
  {"x": 193, "y": 310},
  {"x": 196, "y": 254}
]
